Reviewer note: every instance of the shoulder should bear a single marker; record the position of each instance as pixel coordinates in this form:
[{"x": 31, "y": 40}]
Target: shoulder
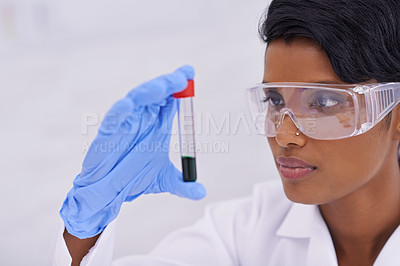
[
  {"x": 267, "y": 204},
  {"x": 232, "y": 231}
]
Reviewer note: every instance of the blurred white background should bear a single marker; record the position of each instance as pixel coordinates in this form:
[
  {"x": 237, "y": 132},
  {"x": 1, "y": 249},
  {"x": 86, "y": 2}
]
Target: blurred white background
[{"x": 62, "y": 60}]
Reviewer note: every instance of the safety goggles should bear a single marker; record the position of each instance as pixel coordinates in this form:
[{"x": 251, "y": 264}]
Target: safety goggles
[{"x": 321, "y": 111}]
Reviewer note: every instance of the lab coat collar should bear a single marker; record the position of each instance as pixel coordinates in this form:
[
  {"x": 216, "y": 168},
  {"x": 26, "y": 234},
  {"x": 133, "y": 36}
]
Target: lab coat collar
[
  {"x": 305, "y": 221},
  {"x": 298, "y": 221}
]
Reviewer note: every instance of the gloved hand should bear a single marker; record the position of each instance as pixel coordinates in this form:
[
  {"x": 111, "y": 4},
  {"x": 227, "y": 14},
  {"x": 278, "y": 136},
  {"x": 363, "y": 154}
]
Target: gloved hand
[{"x": 129, "y": 157}]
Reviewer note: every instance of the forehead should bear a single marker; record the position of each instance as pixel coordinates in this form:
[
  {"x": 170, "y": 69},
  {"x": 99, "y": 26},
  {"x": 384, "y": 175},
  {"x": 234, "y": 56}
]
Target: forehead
[{"x": 300, "y": 60}]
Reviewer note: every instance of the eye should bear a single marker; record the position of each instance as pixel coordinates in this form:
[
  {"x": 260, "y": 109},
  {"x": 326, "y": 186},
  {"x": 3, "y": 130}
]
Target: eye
[
  {"x": 274, "y": 98},
  {"x": 326, "y": 100}
]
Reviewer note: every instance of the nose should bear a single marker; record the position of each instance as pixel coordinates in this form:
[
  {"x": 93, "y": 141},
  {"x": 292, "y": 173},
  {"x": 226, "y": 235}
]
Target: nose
[{"x": 286, "y": 133}]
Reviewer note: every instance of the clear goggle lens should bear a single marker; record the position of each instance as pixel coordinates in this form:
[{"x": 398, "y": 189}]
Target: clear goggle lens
[{"x": 320, "y": 113}]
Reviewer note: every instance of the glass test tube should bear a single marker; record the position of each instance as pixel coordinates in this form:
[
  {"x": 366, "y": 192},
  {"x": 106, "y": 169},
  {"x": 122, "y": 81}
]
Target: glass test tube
[{"x": 186, "y": 132}]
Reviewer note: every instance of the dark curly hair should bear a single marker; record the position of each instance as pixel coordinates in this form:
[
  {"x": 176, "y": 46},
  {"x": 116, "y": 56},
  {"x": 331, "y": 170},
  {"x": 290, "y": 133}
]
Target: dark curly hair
[{"x": 360, "y": 37}]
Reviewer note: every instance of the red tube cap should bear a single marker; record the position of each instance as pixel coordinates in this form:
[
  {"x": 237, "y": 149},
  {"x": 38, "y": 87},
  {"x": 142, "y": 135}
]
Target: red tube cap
[{"x": 187, "y": 92}]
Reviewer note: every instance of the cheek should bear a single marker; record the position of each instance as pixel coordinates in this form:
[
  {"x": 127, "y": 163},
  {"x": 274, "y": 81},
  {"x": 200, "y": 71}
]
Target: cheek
[
  {"x": 343, "y": 166},
  {"x": 349, "y": 163}
]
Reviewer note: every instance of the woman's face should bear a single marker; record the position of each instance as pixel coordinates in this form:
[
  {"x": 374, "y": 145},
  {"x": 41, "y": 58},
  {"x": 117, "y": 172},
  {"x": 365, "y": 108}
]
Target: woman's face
[{"x": 344, "y": 166}]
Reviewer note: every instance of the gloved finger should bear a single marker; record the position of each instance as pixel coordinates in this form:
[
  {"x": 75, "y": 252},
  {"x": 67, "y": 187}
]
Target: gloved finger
[
  {"x": 120, "y": 131},
  {"x": 118, "y": 113},
  {"x": 190, "y": 190},
  {"x": 119, "y": 127},
  {"x": 174, "y": 184},
  {"x": 166, "y": 117},
  {"x": 156, "y": 91}
]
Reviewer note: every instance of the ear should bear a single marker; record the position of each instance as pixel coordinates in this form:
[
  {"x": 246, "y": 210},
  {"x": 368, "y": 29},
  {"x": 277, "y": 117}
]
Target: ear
[{"x": 395, "y": 123}]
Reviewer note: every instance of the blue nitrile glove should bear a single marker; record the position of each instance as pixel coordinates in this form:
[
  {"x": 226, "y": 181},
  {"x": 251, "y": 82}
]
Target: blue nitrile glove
[{"x": 129, "y": 157}]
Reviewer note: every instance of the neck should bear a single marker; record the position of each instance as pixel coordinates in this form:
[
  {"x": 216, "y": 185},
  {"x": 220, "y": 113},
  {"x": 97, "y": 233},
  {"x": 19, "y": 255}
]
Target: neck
[{"x": 362, "y": 222}]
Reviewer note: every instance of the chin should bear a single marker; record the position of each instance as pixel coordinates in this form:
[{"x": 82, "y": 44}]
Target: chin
[{"x": 301, "y": 193}]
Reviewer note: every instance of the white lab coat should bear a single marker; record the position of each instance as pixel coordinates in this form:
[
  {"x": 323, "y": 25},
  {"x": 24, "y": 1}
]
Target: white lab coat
[{"x": 264, "y": 229}]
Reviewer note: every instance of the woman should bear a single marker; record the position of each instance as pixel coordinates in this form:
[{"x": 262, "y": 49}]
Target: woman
[{"x": 335, "y": 148}]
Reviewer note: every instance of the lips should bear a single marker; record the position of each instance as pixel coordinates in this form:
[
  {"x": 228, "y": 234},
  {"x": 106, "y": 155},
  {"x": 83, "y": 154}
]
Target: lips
[{"x": 292, "y": 168}]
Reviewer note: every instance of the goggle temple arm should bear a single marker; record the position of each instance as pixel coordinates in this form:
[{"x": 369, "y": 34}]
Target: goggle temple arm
[{"x": 381, "y": 100}]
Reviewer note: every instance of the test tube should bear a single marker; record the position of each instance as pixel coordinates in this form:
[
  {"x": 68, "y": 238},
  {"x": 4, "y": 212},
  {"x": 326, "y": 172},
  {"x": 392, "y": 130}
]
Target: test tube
[{"x": 186, "y": 132}]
